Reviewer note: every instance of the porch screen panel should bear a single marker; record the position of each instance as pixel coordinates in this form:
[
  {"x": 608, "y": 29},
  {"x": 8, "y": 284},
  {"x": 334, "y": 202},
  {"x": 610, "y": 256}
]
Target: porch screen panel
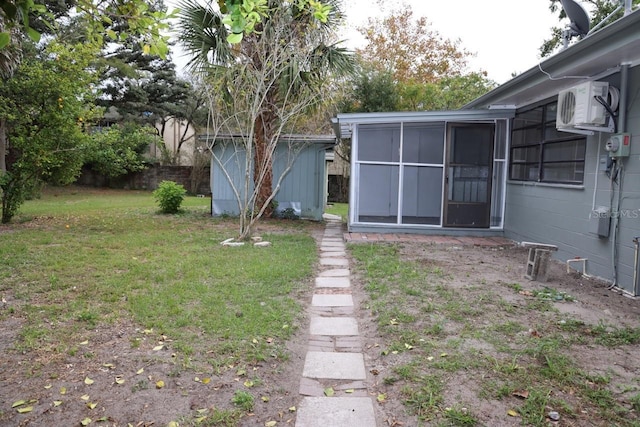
[
  {"x": 379, "y": 143},
  {"x": 378, "y": 193},
  {"x": 422, "y": 195},
  {"x": 423, "y": 143}
]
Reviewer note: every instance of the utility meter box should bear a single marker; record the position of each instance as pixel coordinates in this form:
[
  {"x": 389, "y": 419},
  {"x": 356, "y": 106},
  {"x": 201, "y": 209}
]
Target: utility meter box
[
  {"x": 618, "y": 145},
  {"x": 600, "y": 221}
]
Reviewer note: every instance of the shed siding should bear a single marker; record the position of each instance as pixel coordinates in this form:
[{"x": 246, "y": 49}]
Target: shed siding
[
  {"x": 303, "y": 184},
  {"x": 562, "y": 216}
]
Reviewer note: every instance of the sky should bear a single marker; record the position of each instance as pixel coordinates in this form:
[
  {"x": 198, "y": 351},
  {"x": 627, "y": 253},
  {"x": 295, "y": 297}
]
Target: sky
[{"x": 504, "y": 35}]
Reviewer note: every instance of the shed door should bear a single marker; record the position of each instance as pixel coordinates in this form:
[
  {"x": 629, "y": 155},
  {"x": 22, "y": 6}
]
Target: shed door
[{"x": 468, "y": 175}]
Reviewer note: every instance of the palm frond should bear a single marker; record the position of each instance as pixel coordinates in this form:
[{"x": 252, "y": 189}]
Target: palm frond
[{"x": 203, "y": 35}]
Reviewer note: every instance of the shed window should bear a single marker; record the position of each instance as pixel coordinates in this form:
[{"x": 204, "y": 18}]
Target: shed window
[{"x": 540, "y": 153}]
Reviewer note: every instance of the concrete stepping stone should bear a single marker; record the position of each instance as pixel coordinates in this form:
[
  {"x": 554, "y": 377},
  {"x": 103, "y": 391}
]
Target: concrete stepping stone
[
  {"x": 335, "y": 272},
  {"x": 334, "y": 261},
  {"x": 337, "y": 235},
  {"x": 333, "y": 326},
  {"x": 333, "y": 282},
  {"x": 316, "y": 387},
  {"x": 332, "y": 311},
  {"x": 332, "y": 243},
  {"x": 320, "y": 300},
  {"x": 333, "y": 254},
  {"x": 336, "y": 411},
  {"x": 337, "y": 366}
]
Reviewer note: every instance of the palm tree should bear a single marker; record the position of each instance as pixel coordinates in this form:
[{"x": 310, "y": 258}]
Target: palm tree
[{"x": 205, "y": 37}]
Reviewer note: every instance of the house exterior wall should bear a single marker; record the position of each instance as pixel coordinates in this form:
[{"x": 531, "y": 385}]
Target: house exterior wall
[
  {"x": 174, "y": 129},
  {"x": 302, "y": 189},
  {"x": 562, "y": 215}
]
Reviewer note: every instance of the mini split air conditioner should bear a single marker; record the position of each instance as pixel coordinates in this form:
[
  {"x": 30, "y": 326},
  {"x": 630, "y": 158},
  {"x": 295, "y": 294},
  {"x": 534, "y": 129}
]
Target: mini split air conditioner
[{"x": 577, "y": 106}]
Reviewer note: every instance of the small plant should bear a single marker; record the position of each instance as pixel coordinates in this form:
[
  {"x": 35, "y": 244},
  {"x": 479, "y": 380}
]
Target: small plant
[
  {"x": 460, "y": 416},
  {"x": 635, "y": 402},
  {"x": 243, "y": 400},
  {"x": 169, "y": 196}
]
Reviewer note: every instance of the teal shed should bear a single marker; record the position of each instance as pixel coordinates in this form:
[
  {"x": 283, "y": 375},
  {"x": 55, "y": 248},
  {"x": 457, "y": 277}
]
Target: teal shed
[{"x": 302, "y": 189}]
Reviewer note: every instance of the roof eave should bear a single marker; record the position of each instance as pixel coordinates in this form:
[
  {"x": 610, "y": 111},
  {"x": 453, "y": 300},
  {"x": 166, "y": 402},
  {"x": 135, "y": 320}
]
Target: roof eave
[{"x": 583, "y": 55}]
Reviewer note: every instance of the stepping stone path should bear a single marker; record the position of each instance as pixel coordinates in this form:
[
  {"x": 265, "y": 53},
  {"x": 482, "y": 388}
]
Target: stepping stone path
[{"x": 334, "y": 358}]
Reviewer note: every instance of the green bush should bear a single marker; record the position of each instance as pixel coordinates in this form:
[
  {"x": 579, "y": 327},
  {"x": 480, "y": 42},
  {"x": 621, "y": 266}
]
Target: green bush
[{"x": 169, "y": 196}]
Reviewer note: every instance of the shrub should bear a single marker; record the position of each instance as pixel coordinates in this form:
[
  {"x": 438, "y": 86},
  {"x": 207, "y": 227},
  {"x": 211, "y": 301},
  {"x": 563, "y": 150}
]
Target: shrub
[{"x": 169, "y": 196}]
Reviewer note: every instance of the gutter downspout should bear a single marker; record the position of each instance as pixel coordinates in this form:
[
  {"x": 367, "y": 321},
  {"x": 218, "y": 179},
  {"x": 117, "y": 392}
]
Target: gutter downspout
[
  {"x": 624, "y": 93},
  {"x": 622, "y": 127}
]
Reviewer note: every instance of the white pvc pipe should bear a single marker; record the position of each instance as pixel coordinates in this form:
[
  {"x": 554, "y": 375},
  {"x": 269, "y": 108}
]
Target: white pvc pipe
[{"x": 584, "y": 265}]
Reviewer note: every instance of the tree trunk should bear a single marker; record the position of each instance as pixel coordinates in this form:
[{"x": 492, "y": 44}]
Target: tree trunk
[
  {"x": 3, "y": 145},
  {"x": 263, "y": 161}
]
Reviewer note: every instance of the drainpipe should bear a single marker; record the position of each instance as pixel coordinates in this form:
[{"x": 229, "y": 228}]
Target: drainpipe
[
  {"x": 624, "y": 92},
  {"x": 622, "y": 127},
  {"x": 636, "y": 266}
]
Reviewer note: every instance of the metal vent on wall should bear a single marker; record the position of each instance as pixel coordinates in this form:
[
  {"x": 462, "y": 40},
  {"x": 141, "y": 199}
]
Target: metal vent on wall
[{"x": 567, "y": 107}]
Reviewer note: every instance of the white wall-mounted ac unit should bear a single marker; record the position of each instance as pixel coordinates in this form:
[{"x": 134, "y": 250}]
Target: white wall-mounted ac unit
[{"x": 577, "y": 106}]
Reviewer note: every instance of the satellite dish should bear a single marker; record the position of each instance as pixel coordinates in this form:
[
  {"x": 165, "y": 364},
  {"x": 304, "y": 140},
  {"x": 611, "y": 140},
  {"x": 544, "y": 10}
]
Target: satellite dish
[{"x": 579, "y": 18}]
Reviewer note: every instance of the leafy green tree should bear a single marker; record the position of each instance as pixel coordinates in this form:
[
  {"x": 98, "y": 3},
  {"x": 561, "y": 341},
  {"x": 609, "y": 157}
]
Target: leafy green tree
[
  {"x": 373, "y": 91},
  {"x": 29, "y": 17},
  {"x": 288, "y": 57},
  {"x": 410, "y": 67},
  {"x": 145, "y": 89},
  {"x": 80, "y": 21},
  {"x": 45, "y": 106},
  {"x": 410, "y": 48},
  {"x": 245, "y": 16},
  {"x": 600, "y": 11},
  {"x": 119, "y": 150},
  {"x": 447, "y": 93}
]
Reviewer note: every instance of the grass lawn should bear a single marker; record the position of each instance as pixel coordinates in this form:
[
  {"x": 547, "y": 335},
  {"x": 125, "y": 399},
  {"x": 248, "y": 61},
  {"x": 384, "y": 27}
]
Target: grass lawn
[
  {"x": 340, "y": 209},
  {"x": 77, "y": 261}
]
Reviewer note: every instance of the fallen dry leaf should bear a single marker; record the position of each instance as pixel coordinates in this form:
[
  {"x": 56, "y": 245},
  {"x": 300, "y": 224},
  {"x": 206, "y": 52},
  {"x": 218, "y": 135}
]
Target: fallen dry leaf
[
  {"x": 521, "y": 393},
  {"x": 18, "y": 403}
]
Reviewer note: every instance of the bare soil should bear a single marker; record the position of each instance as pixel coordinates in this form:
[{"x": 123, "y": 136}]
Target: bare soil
[{"x": 483, "y": 273}]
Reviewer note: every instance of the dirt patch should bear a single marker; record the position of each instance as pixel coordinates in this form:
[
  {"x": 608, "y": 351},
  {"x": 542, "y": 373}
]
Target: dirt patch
[
  {"x": 487, "y": 292},
  {"x": 114, "y": 377}
]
